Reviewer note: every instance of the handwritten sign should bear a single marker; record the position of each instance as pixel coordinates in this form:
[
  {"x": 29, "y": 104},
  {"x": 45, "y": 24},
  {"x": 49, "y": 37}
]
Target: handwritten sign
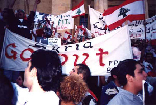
[{"x": 54, "y": 41}]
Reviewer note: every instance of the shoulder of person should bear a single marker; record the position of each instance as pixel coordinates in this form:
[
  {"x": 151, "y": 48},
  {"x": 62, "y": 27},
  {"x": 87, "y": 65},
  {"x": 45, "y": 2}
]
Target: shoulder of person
[{"x": 89, "y": 100}]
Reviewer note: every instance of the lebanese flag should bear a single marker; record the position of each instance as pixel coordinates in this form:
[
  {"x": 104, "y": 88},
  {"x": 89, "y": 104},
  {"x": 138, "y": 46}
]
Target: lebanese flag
[
  {"x": 67, "y": 35},
  {"x": 128, "y": 10},
  {"x": 78, "y": 10}
]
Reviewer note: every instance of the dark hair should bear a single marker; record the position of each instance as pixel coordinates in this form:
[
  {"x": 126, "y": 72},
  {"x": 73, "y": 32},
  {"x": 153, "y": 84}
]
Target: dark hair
[
  {"x": 6, "y": 91},
  {"x": 126, "y": 67},
  {"x": 21, "y": 73},
  {"x": 49, "y": 69},
  {"x": 84, "y": 69},
  {"x": 115, "y": 72},
  {"x": 20, "y": 10}
]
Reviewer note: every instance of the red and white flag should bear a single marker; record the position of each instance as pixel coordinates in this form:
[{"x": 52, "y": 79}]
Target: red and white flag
[
  {"x": 129, "y": 10},
  {"x": 78, "y": 10},
  {"x": 67, "y": 35}
]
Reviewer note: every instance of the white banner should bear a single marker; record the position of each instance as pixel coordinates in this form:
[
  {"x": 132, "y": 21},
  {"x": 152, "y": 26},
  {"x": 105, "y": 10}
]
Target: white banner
[
  {"x": 97, "y": 23},
  {"x": 16, "y": 51},
  {"x": 64, "y": 21},
  {"x": 54, "y": 41},
  {"x": 137, "y": 29},
  {"x": 61, "y": 22},
  {"x": 101, "y": 54}
]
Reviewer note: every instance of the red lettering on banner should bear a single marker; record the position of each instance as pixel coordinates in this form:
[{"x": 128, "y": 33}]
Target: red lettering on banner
[
  {"x": 14, "y": 56},
  {"x": 75, "y": 62},
  {"x": 21, "y": 55},
  {"x": 87, "y": 55},
  {"x": 101, "y": 56},
  {"x": 66, "y": 58},
  {"x": 13, "y": 52},
  {"x": 131, "y": 35}
]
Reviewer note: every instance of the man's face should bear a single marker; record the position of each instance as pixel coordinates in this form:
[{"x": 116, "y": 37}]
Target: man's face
[
  {"x": 74, "y": 71},
  {"x": 20, "y": 15},
  {"x": 139, "y": 75},
  {"x": 27, "y": 76},
  {"x": 19, "y": 81}
]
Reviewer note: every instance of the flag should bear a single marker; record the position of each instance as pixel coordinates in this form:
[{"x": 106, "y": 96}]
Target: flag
[
  {"x": 78, "y": 10},
  {"x": 129, "y": 10},
  {"x": 97, "y": 22},
  {"x": 67, "y": 35}
]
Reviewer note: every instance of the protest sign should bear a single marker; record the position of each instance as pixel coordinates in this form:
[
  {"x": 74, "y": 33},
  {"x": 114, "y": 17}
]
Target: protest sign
[{"x": 101, "y": 54}]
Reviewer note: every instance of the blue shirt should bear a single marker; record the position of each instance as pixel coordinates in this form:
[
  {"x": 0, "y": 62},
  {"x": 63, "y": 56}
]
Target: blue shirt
[{"x": 125, "y": 98}]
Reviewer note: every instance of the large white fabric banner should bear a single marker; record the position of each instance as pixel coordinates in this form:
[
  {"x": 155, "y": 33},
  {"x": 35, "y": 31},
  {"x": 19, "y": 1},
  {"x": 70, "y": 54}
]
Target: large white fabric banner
[
  {"x": 16, "y": 51},
  {"x": 101, "y": 54}
]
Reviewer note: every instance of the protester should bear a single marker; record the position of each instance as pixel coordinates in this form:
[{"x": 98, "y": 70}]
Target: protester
[
  {"x": 72, "y": 90},
  {"x": 19, "y": 23},
  {"x": 130, "y": 77},
  {"x": 148, "y": 61},
  {"x": 110, "y": 90},
  {"x": 42, "y": 79},
  {"x": 3, "y": 25},
  {"x": 20, "y": 79},
  {"x": 6, "y": 91},
  {"x": 83, "y": 71}
]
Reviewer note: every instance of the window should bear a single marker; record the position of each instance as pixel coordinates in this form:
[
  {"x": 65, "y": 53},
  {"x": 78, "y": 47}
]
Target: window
[{"x": 84, "y": 20}]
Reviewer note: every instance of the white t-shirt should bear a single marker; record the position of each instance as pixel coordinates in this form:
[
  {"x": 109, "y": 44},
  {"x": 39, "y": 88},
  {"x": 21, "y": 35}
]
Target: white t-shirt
[{"x": 24, "y": 97}]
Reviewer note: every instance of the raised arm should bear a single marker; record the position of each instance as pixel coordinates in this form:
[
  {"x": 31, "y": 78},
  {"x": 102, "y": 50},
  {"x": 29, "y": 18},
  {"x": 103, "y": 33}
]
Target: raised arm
[
  {"x": 35, "y": 5},
  {"x": 76, "y": 34},
  {"x": 11, "y": 4}
]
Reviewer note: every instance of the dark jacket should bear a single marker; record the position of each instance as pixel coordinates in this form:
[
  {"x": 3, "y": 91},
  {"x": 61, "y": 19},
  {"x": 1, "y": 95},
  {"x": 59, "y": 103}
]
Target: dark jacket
[
  {"x": 108, "y": 92},
  {"x": 21, "y": 28}
]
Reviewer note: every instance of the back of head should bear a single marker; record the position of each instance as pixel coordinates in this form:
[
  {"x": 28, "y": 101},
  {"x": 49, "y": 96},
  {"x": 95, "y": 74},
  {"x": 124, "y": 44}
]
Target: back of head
[
  {"x": 49, "y": 69},
  {"x": 6, "y": 91},
  {"x": 114, "y": 72},
  {"x": 72, "y": 89},
  {"x": 84, "y": 69},
  {"x": 126, "y": 67}
]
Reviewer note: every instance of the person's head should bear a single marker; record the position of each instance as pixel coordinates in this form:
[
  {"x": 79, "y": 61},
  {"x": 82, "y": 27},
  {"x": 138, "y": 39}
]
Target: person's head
[
  {"x": 59, "y": 35},
  {"x": 20, "y": 14},
  {"x": 81, "y": 70},
  {"x": 114, "y": 73},
  {"x": 6, "y": 91},
  {"x": 131, "y": 73},
  {"x": 20, "y": 79},
  {"x": 5, "y": 13},
  {"x": 72, "y": 89},
  {"x": 149, "y": 57},
  {"x": 45, "y": 67}
]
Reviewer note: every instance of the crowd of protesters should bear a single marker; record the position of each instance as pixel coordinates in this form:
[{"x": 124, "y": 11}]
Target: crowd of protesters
[{"x": 43, "y": 82}]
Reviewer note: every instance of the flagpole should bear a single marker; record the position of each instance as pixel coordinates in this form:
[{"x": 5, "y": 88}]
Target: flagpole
[{"x": 144, "y": 7}]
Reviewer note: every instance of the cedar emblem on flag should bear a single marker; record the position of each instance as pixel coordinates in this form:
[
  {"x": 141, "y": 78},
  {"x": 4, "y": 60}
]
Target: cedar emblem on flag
[
  {"x": 123, "y": 12},
  {"x": 78, "y": 10},
  {"x": 129, "y": 10}
]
